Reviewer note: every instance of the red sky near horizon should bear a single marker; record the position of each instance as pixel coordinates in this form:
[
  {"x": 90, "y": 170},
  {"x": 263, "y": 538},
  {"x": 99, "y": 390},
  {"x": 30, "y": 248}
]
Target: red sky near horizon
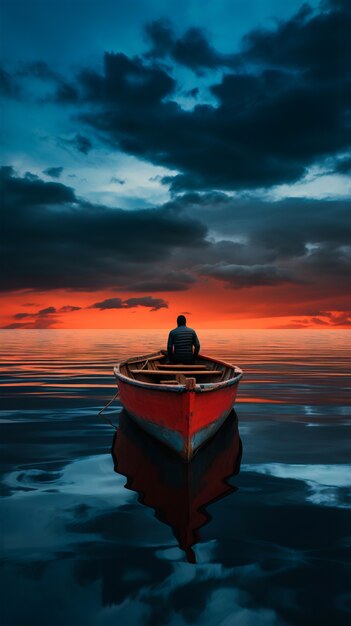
[{"x": 217, "y": 307}]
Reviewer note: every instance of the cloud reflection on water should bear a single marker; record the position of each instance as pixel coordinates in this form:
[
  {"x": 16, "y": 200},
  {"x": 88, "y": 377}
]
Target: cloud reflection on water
[{"x": 79, "y": 547}]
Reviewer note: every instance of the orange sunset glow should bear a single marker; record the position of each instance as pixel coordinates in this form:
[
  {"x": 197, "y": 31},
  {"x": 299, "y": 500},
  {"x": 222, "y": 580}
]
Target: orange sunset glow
[{"x": 205, "y": 307}]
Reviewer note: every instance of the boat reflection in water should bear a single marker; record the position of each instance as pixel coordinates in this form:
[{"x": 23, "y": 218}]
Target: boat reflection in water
[{"x": 179, "y": 492}]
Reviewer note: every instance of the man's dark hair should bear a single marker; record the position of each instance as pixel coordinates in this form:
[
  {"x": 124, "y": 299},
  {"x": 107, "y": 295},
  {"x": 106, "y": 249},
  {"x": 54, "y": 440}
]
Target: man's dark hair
[{"x": 181, "y": 320}]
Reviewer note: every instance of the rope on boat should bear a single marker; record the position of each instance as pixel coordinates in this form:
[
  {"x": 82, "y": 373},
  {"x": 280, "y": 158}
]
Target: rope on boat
[{"x": 105, "y": 407}]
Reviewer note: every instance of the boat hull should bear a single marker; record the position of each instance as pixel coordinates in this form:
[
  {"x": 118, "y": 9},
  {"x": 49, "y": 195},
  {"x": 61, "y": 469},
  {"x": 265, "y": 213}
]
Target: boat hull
[{"x": 180, "y": 418}]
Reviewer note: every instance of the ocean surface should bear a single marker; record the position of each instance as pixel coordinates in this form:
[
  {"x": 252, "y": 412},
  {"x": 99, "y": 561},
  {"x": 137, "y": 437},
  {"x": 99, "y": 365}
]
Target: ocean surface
[{"x": 100, "y": 528}]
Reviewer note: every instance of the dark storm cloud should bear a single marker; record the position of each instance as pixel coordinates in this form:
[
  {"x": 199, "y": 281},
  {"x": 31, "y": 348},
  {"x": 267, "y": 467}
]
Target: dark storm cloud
[
  {"x": 110, "y": 303},
  {"x": 9, "y": 87},
  {"x": 54, "y": 172},
  {"x": 283, "y": 103},
  {"x": 68, "y": 309},
  {"x": 47, "y": 311},
  {"x": 50, "y": 310},
  {"x": 298, "y": 249},
  {"x": 243, "y": 276},
  {"x": 126, "y": 82},
  {"x": 171, "y": 281},
  {"x": 281, "y": 229},
  {"x": 337, "y": 318},
  {"x": 285, "y": 109},
  {"x": 331, "y": 319},
  {"x": 192, "y": 50},
  {"x": 296, "y": 241},
  {"x": 343, "y": 166},
  {"x": 316, "y": 44},
  {"x": 82, "y": 143},
  {"x": 39, "y": 69},
  {"x": 328, "y": 261},
  {"x": 162, "y": 38},
  {"x": 148, "y": 301},
  {"x": 18, "y": 83},
  {"x": 66, "y": 93},
  {"x": 47, "y": 322},
  {"x": 52, "y": 239},
  {"x": 79, "y": 142},
  {"x": 44, "y": 318},
  {"x": 117, "y": 303},
  {"x": 193, "y": 92},
  {"x": 118, "y": 181},
  {"x": 30, "y": 191}
]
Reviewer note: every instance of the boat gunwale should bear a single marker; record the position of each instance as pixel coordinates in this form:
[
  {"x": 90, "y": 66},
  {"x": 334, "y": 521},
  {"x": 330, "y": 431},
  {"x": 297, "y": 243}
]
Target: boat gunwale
[{"x": 178, "y": 388}]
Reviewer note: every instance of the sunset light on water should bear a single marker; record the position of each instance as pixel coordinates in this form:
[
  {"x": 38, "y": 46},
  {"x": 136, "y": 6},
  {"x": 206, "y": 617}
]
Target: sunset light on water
[{"x": 116, "y": 541}]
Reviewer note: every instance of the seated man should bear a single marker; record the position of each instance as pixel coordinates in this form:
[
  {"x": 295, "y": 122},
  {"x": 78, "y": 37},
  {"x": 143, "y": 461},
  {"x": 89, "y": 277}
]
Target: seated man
[{"x": 180, "y": 343}]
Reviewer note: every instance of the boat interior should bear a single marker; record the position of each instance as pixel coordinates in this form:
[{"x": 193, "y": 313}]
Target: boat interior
[{"x": 157, "y": 369}]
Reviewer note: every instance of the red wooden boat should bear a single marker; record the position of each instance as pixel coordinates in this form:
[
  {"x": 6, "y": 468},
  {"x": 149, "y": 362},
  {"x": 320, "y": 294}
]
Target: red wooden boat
[
  {"x": 181, "y": 405},
  {"x": 178, "y": 492}
]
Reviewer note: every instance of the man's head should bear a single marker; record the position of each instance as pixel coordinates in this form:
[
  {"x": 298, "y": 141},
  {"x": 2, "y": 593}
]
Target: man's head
[{"x": 181, "y": 320}]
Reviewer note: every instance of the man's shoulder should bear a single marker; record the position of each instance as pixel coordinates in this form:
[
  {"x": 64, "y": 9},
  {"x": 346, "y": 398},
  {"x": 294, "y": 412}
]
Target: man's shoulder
[{"x": 182, "y": 329}]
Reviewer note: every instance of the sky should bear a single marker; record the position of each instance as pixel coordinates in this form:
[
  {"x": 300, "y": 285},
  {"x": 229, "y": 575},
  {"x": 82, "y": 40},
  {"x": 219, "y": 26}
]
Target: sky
[{"x": 160, "y": 158}]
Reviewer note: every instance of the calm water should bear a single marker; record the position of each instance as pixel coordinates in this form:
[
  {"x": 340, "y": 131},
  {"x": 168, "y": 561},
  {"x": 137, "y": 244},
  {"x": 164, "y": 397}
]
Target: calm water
[{"x": 101, "y": 539}]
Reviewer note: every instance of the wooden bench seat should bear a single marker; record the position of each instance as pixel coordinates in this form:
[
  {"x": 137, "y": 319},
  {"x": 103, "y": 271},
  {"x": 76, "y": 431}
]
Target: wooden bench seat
[
  {"x": 172, "y": 372},
  {"x": 168, "y": 366}
]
